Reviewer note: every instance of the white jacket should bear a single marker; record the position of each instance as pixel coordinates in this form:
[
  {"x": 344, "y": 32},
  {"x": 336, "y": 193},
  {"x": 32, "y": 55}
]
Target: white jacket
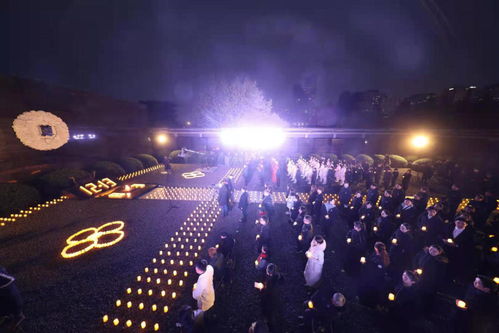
[{"x": 204, "y": 293}]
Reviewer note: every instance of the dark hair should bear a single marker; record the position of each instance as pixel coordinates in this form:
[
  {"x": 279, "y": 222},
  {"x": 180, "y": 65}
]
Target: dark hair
[
  {"x": 319, "y": 239},
  {"x": 265, "y": 218},
  {"x": 224, "y": 234},
  {"x": 385, "y": 258},
  {"x": 307, "y": 218},
  {"x": 201, "y": 265},
  {"x": 358, "y": 224}
]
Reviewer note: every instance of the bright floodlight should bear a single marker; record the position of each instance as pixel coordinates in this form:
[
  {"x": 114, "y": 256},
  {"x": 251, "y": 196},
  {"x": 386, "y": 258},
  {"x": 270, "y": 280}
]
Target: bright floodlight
[
  {"x": 161, "y": 139},
  {"x": 253, "y": 138},
  {"x": 420, "y": 141}
]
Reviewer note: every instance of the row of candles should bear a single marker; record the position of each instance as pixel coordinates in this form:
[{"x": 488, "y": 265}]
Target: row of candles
[
  {"x": 165, "y": 277},
  {"x": 179, "y": 193},
  {"x": 28, "y": 211},
  {"x": 140, "y": 172}
]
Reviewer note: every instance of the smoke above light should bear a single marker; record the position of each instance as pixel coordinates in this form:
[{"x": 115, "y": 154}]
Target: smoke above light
[{"x": 253, "y": 138}]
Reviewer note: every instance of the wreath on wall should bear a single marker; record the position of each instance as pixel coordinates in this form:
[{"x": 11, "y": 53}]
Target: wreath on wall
[{"x": 41, "y": 130}]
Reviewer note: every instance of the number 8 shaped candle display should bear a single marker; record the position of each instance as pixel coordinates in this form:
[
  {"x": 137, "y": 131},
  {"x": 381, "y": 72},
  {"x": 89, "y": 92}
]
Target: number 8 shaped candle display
[{"x": 87, "y": 239}]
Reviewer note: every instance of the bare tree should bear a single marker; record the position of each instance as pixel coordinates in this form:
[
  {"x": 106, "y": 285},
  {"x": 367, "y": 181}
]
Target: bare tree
[{"x": 234, "y": 102}]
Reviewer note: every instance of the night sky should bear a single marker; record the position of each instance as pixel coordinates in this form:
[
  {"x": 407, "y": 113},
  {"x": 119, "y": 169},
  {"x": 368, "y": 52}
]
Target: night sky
[{"x": 164, "y": 50}]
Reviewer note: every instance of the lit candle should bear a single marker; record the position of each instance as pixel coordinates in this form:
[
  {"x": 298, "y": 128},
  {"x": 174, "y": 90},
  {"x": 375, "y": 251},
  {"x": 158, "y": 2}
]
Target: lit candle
[
  {"x": 391, "y": 296},
  {"x": 362, "y": 260},
  {"x": 349, "y": 240}
]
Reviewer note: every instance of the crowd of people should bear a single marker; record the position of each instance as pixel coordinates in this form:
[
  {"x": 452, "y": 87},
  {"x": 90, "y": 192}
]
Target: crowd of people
[{"x": 411, "y": 256}]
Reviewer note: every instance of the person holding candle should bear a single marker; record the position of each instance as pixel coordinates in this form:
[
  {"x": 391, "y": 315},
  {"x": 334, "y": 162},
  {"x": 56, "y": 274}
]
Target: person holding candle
[
  {"x": 374, "y": 276},
  {"x": 406, "y": 213},
  {"x": 315, "y": 256},
  {"x": 243, "y": 204},
  {"x": 458, "y": 245},
  {"x": 203, "y": 291},
  {"x": 405, "y": 304},
  {"x": 322, "y": 309},
  {"x": 402, "y": 248},
  {"x": 356, "y": 243},
  {"x": 306, "y": 233},
  {"x": 431, "y": 227}
]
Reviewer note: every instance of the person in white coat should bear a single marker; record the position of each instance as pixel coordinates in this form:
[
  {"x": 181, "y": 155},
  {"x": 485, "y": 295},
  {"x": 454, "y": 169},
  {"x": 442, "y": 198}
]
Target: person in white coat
[
  {"x": 203, "y": 291},
  {"x": 315, "y": 255}
]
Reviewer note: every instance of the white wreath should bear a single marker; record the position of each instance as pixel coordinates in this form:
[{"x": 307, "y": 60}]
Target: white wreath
[{"x": 28, "y": 128}]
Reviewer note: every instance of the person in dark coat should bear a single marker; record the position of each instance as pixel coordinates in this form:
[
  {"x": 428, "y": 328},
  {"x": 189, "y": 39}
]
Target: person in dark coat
[
  {"x": 398, "y": 194},
  {"x": 216, "y": 260},
  {"x": 431, "y": 228},
  {"x": 372, "y": 284},
  {"x": 317, "y": 204},
  {"x": 481, "y": 307},
  {"x": 458, "y": 244},
  {"x": 263, "y": 235},
  {"x": 424, "y": 195},
  {"x": 355, "y": 206},
  {"x": 270, "y": 295},
  {"x": 356, "y": 243},
  {"x": 395, "y": 176},
  {"x": 11, "y": 304},
  {"x": 225, "y": 244},
  {"x": 367, "y": 214},
  {"x": 406, "y": 306},
  {"x": 406, "y": 213},
  {"x": 431, "y": 265},
  {"x": 267, "y": 204},
  {"x": 322, "y": 309},
  {"x": 345, "y": 194},
  {"x": 387, "y": 178},
  {"x": 387, "y": 201},
  {"x": 306, "y": 234},
  {"x": 384, "y": 226},
  {"x": 402, "y": 248},
  {"x": 223, "y": 198},
  {"x": 454, "y": 198},
  {"x": 372, "y": 194},
  {"x": 418, "y": 203},
  {"x": 243, "y": 204},
  {"x": 406, "y": 180}
]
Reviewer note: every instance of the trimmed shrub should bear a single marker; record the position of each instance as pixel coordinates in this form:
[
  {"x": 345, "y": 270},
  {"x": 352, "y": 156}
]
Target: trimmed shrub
[
  {"x": 422, "y": 161},
  {"x": 411, "y": 158},
  {"x": 348, "y": 158},
  {"x": 398, "y": 161},
  {"x": 363, "y": 158},
  {"x": 131, "y": 164},
  {"x": 15, "y": 197},
  {"x": 147, "y": 160},
  {"x": 107, "y": 169},
  {"x": 53, "y": 183},
  {"x": 378, "y": 158}
]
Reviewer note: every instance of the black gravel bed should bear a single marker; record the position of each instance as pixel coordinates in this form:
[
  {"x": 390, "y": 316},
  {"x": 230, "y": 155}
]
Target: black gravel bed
[{"x": 71, "y": 295}]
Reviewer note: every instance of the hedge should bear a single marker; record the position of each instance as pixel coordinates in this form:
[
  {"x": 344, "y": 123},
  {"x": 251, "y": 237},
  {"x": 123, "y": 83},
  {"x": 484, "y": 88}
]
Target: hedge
[
  {"x": 348, "y": 158},
  {"x": 422, "y": 161},
  {"x": 363, "y": 158},
  {"x": 379, "y": 157},
  {"x": 411, "y": 158},
  {"x": 107, "y": 169},
  {"x": 398, "y": 161},
  {"x": 131, "y": 164},
  {"x": 333, "y": 157},
  {"x": 54, "y": 182},
  {"x": 147, "y": 160},
  {"x": 15, "y": 197}
]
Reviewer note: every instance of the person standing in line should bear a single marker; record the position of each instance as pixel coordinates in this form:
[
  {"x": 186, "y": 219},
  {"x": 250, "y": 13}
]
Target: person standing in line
[
  {"x": 203, "y": 291},
  {"x": 243, "y": 204},
  {"x": 315, "y": 255}
]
